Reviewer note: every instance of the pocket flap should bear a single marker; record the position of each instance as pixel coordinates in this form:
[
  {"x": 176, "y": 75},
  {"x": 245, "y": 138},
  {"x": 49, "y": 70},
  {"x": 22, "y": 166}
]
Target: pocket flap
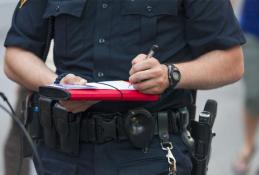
[
  {"x": 70, "y": 7},
  {"x": 150, "y": 8}
]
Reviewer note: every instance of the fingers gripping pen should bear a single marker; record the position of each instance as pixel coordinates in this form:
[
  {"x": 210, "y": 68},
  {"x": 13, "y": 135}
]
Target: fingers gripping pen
[{"x": 150, "y": 54}]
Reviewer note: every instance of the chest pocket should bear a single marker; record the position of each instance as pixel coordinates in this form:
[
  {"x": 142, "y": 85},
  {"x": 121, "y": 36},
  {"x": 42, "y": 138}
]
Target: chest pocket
[
  {"x": 68, "y": 26},
  {"x": 152, "y": 15}
]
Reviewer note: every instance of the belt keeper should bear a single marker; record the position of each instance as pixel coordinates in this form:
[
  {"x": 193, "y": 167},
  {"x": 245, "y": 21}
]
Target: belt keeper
[
  {"x": 163, "y": 129},
  {"x": 166, "y": 144}
]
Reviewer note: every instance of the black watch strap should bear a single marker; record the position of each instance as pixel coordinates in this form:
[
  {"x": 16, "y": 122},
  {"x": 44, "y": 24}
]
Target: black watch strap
[
  {"x": 174, "y": 75},
  {"x": 60, "y": 77}
]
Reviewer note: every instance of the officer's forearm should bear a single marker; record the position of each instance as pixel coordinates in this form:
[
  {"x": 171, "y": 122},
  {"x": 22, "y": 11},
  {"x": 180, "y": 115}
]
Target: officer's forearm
[
  {"x": 27, "y": 69},
  {"x": 212, "y": 70}
]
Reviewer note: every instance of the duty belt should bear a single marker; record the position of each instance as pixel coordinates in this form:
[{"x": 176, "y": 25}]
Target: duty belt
[
  {"x": 103, "y": 127},
  {"x": 64, "y": 131}
]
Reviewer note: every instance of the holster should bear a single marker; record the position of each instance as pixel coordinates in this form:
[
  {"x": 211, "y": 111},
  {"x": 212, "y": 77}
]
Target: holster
[
  {"x": 61, "y": 129},
  {"x": 68, "y": 130},
  {"x": 202, "y": 134}
]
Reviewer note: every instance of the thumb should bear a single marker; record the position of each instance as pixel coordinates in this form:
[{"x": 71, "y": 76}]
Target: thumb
[{"x": 72, "y": 79}]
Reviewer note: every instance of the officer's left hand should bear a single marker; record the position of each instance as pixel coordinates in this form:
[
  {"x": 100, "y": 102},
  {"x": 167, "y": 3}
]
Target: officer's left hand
[
  {"x": 75, "y": 106},
  {"x": 148, "y": 75}
]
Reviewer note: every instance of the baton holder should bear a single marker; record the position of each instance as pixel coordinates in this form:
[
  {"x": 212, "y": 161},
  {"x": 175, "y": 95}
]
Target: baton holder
[{"x": 202, "y": 134}]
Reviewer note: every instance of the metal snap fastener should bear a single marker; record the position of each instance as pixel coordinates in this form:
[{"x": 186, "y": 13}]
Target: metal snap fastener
[
  {"x": 104, "y": 5},
  {"x": 101, "y": 40},
  {"x": 149, "y": 8},
  {"x": 58, "y": 8},
  {"x": 100, "y": 74}
]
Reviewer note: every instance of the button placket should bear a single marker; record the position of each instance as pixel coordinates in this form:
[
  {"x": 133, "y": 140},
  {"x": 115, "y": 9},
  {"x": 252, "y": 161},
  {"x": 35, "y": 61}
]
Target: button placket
[
  {"x": 101, "y": 50},
  {"x": 58, "y": 7}
]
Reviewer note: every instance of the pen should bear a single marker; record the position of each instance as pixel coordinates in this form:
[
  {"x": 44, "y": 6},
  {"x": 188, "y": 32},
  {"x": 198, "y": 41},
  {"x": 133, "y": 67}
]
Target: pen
[
  {"x": 150, "y": 54},
  {"x": 152, "y": 51}
]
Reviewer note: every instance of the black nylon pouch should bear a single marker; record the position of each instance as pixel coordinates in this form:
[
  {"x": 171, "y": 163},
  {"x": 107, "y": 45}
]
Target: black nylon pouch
[
  {"x": 68, "y": 128},
  {"x": 47, "y": 122}
]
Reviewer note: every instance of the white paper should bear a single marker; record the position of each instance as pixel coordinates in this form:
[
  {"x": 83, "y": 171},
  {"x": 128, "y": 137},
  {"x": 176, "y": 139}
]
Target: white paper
[
  {"x": 120, "y": 85},
  {"x": 72, "y": 86}
]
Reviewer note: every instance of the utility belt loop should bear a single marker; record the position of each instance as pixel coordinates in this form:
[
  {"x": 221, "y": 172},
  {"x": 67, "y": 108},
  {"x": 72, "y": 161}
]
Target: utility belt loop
[
  {"x": 163, "y": 130},
  {"x": 47, "y": 122},
  {"x": 166, "y": 144}
]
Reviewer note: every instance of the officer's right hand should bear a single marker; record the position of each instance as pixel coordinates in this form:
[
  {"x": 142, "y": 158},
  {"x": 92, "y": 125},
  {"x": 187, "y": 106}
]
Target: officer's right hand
[{"x": 75, "y": 106}]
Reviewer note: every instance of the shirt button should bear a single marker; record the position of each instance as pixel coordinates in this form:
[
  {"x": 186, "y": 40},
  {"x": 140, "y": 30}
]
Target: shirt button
[
  {"x": 100, "y": 74},
  {"x": 57, "y": 8},
  {"x": 101, "y": 40},
  {"x": 104, "y": 5},
  {"x": 149, "y": 8}
]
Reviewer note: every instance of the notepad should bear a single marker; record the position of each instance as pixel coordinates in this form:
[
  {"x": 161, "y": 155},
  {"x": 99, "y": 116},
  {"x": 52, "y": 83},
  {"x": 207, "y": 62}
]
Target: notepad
[
  {"x": 97, "y": 91},
  {"x": 119, "y": 85}
]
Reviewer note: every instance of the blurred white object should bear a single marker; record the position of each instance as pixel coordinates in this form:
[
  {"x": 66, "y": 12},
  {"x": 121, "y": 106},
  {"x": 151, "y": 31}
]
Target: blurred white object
[{"x": 237, "y": 4}]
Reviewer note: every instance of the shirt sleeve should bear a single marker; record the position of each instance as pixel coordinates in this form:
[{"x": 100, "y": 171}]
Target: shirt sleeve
[
  {"x": 211, "y": 25},
  {"x": 28, "y": 29}
]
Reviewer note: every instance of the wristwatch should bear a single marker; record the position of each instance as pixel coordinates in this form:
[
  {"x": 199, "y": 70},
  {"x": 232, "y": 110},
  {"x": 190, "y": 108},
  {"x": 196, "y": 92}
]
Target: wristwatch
[
  {"x": 60, "y": 77},
  {"x": 174, "y": 75}
]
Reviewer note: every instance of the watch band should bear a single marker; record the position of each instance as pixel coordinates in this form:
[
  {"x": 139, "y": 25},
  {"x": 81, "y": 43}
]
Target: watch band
[
  {"x": 60, "y": 77},
  {"x": 174, "y": 75}
]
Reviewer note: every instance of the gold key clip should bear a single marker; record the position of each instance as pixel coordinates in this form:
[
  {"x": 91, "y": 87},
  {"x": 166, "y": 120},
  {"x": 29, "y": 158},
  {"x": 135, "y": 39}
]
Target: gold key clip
[
  {"x": 168, "y": 146},
  {"x": 171, "y": 162}
]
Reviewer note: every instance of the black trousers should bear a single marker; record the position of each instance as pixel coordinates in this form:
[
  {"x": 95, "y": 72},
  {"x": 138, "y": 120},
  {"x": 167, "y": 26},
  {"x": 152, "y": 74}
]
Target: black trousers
[{"x": 115, "y": 158}]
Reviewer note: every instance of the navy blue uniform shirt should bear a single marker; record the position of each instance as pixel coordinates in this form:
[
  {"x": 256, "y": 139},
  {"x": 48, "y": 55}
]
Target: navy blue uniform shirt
[{"x": 97, "y": 39}]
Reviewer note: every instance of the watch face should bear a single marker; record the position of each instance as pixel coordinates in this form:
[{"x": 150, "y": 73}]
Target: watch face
[{"x": 176, "y": 76}]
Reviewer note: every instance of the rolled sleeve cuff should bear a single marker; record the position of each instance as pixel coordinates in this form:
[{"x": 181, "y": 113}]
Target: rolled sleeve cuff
[{"x": 36, "y": 47}]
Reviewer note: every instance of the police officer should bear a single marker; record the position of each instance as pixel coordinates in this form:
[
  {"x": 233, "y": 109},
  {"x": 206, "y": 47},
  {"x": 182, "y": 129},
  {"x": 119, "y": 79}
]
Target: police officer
[{"x": 97, "y": 40}]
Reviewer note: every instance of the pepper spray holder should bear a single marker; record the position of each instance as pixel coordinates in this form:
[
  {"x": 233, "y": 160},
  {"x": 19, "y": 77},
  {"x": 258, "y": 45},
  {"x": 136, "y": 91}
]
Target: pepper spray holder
[{"x": 139, "y": 126}]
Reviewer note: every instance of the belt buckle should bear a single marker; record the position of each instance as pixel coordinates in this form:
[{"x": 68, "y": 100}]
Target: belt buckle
[{"x": 106, "y": 128}]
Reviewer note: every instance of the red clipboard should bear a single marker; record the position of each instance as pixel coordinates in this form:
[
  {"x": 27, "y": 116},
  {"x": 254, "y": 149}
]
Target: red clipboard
[{"x": 56, "y": 93}]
